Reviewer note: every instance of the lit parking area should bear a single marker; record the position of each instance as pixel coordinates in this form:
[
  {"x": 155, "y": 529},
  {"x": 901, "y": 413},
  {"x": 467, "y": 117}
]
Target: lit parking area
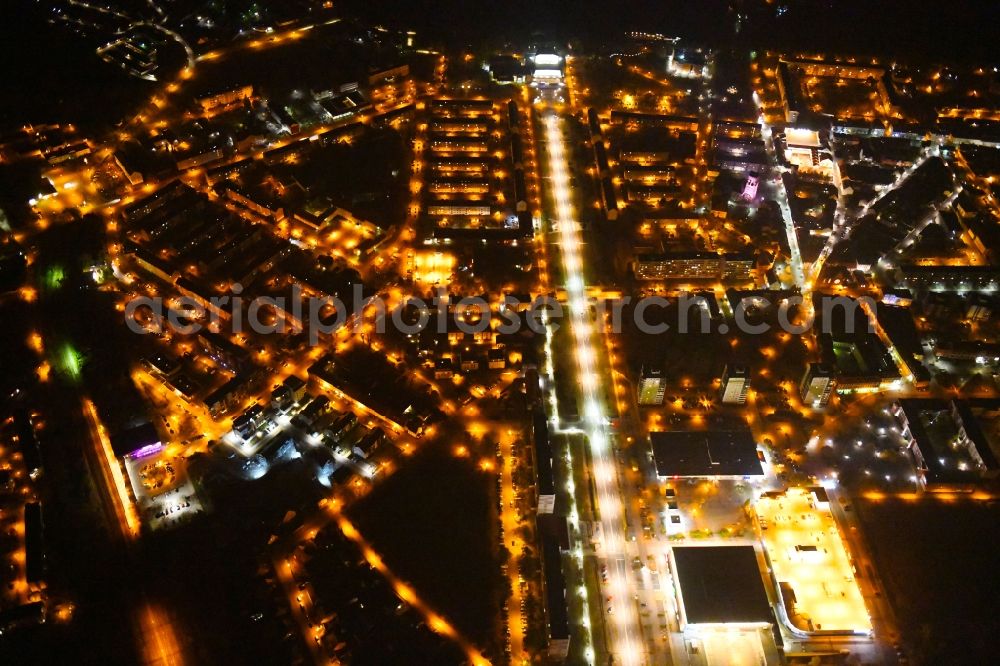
[
  {"x": 163, "y": 489},
  {"x": 811, "y": 562},
  {"x": 734, "y": 646}
]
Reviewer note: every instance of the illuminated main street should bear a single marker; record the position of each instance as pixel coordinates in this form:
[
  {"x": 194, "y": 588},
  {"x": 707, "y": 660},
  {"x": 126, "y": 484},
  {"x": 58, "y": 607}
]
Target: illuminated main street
[
  {"x": 624, "y": 639},
  {"x": 781, "y": 193}
]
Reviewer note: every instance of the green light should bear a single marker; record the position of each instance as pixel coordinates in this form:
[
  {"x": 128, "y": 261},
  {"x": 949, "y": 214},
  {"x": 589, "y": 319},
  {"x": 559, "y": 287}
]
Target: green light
[
  {"x": 54, "y": 277},
  {"x": 70, "y": 361}
]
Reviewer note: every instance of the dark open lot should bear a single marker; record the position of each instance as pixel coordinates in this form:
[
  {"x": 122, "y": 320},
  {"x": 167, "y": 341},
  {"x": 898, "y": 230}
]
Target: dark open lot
[
  {"x": 48, "y": 75},
  {"x": 433, "y": 524},
  {"x": 939, "y": 563}
]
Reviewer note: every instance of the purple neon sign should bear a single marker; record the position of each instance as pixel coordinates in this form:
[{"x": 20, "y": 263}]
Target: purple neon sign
[{"x": 147, "y": 450}]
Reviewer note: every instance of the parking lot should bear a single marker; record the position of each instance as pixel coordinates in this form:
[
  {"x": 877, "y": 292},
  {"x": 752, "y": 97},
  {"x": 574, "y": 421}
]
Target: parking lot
[
  {"x": 162, "y": 489},
  {"x": 809, "y": 557}
]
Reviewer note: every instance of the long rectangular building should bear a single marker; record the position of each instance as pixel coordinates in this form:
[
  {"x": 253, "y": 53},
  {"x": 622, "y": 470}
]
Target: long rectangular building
[
  {"x": 735, "y": 267},
  {"x": 712, "y": 453},
  {"x": 951, "y": 278},
  {"x": 964, "y": 456},
  {"x": 34, "y": 543},
  {"x": 545, "y": 484},
  {"x": 556, "y": 608}
]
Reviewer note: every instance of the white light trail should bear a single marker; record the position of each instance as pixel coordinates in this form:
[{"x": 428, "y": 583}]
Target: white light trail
[{"x": 625, "y": 642}]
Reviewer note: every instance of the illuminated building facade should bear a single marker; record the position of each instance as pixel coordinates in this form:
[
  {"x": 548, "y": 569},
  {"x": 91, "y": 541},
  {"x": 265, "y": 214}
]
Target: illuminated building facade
[
  {"x": 817, "y": 385},
  {"x": 652, "y": 386},
  {"x": 735, "y": 384}
]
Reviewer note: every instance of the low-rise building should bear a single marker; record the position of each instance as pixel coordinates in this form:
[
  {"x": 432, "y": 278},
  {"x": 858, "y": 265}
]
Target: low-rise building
[
  {"x": 556, "y": 605},
  {"x": 368, "y": 444},
  {"x": 213, "y": 102},
  {"x": 137, "y": 441},
  {"x": 706, "y": 454},
  {"x": 545, "y": 485}
]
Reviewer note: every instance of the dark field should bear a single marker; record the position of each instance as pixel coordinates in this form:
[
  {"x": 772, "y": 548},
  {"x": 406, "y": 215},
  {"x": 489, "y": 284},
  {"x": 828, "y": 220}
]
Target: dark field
[
  {"x": 938, "y": 560},
  {"x": 317, "y": 60},
  {"x": 433, "y": 522}
]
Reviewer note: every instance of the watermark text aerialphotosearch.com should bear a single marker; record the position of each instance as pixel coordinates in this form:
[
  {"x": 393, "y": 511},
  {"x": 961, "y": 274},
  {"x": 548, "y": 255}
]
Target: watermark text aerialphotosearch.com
[{"x": 324, "y": 316}]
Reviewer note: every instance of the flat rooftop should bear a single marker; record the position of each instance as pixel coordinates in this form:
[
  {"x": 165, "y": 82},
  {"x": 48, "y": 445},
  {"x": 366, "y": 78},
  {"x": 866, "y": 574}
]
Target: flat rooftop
[
  {"x": 811, "y": 563},
  {"x": 724, "y": 647},
  {"x": 802, "y": 137},
  {"x": 705, "y": 453},
  {"x": 135, "y": 439},
  {"x": 721, "y": 584}
]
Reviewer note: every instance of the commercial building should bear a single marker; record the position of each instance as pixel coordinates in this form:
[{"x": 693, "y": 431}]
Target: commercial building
[
  {"x": 506, "y": 68},
  {"x": 688, "y": 63},
  {"x": 811, "y": 563},
  {"x": 547, "y": 68},
  {"x": 713, "y": 453},
  {"x": 817, "y": 385},
  {"x": 136, "y": 442},
  {"x": 802, "y": 146},
  {"x": 735, "y": 384},
  {"x": 652, "y": 386},
  {"x": 744, "y": 155},
  {"x": 720, "y": 585}
]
